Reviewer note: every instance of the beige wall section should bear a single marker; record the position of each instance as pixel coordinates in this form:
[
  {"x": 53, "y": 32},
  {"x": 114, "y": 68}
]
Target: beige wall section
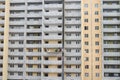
[
  {"x": 91, "y": 40},
  {"x": 6, "y": 35}
]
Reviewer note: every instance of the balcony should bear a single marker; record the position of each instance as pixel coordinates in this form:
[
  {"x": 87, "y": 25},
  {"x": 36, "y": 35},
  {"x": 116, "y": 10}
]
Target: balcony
[
  {"x": 53, "y": 21},
  {"x": 39, "y": 7},
  {"x": 33, "y": 37},
  {"x": 2, "y": 6},
  {"x": 33, "y": 53},
  {"x": 47, "y": 14},
  {"x": 72, "y": 30},
  {"x": 15, "y": 77},
  {"x": 52, "y": 29},
  {"x": 16, "y": 30},
  {"x": 52, "y": 78},
  {"x": 55, "y": 62},
  {"x": 72, "y": 7},
  {"x": 111, "y": 78},
  {"x": 33, "y": 61},
  {"x": 2, "y": 21},
  {"x": 111, "y": 45},
  {"x": 15, "y": 69},
  {"x": 73, "y": 78},
  {"x": 111, "y": 38},
  {"x": 72, "y": 62},
  {"x": 17, "y": 22},
  {"x": 113, "y": 70},
  {"x": 17, "y": 7},
  {"x": 72, "y": 38},
  {"x": 16, "y": 38},
  {"x": 72, "y": 46},
  {"x": 111, "y": 14},
  {"x": 16, "y": 1},
  {"x": 52, "y": 45},
  {"x": 1, "y": 29},
  {"x": 16, "y": 45},
  {"x": 73, "y": 14},
  {"x": 1, "y": 37},
  {"x": 71, "y": 54},
  {"x": 111, "y": 21},
  {"x": 73, "y": 22},
  {"x": 111, "y": 30},
  {"x": 52, "y": 54},
  {"x": 33, "y": 30},
  {"x": 34, "y": 0},
  {"x": 17, "y": 15},
  {"x": 111, "y": 54},
  {"x": 33, "y": 77},
  {"x": 33, "y": 45},
  {"x": 2, "y": 14},
  {"x": 51, "y": 70},
  {"x": 56, "y": 37},
  {"x": 16, "y": 53},
  {"x": 34, "y": 22},
  {"x": 72, "y": 70},
  {"x": 16, "y": 61},
  {"x": 33, "y": 70},
  {"x": 34, "y": 15},
  {"x": 105, "y": 6},
  {"x": 111, "y": 62},
  {"x": 53, "y": 6}
]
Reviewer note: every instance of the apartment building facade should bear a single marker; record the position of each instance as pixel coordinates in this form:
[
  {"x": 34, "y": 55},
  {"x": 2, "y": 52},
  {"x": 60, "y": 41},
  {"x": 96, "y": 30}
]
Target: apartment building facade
[{"x": 59, "y": 39}]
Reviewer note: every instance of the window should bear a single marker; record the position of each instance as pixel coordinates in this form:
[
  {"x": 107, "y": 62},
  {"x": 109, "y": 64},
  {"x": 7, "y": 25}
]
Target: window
[
  {"x": 97, "y": 66},
  {"x": 86, "y": 74},
  {"x": 11, "y": 73},
  {"x": 96, "y": 35},
  {"x": 96, "y": 50},
  {"x": 68, "y": 42},
  {"x": 96, "y": 5},
  {"x": 59, "y": 74},
  {"x": 30, "y": 73},
  {"x": 96, "y": 20},
  {"x": 38, "y": 74},
  {"x": 20, "y": 50},
  {"x": 86, "y": 51},
  {"x": 85, "y": 27},
  {"x": 12, "y": 58},
  {"x": 85, "y": 5},
  {"x": 97, "y": 75},
  {"x": 96, "y": 12},
  {"x": 20, "y": 65},
  {"x": 30, "y": 58},
  {"x": 97, "y": 59},
  {"x": 86, "y": 13},
  {"x": 68, "y": 50},
  {"x": 46, "y": 74},
  {"x": 68, "y": 74},
  {"x": 86, "y": 35},
  {"x": 30, "y": 66},
  {"x": 77, "y": 42},
  {"x": 77, "y": 34},
  {"x": 68, "y": 58},
  {"x": 86, "y": 58},
  {"x": 11, "y": 65},
  {"x": 39, "y": 66},
  {"x": 96, "y": 43},
  {"x": 77, "y": 66},
  {"x": 20, "y": 57},
  {"x": 85, "y": 20},
  {"x": 68, "y": 66},
  {"x": 20, "y": 73},
  {"x": 86, "y": 43},
  {"x": 77, "y": 50},
  {"x": 86, "y": 66},
  {"x": 77, "y": 58},
  {"x": 96, "y": 27}
]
